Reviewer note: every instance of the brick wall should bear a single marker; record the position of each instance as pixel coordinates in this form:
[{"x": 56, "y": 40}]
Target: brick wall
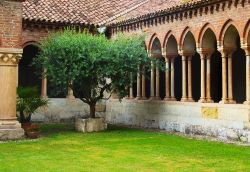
[
  {"x": 218, "y": 20},
  {"x": 10, "y": 25}
]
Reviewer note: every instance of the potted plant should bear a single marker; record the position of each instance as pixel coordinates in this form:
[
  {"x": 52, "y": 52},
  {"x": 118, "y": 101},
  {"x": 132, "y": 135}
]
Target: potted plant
[{"x": 28, "y": 102}]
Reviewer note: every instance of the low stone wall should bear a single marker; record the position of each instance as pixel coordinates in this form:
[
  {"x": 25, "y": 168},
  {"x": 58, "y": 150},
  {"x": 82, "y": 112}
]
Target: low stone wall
[
  {"x": 213, "y": 119},
  {"x": 65, "y": 110},
  {"x": 217, "y": 120}
]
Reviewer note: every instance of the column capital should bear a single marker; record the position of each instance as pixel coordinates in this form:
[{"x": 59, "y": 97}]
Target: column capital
[
  {"x": 205, "y": 51},
  {"x": 246, "y": 48},
  {"x": 9, "y": 56},
  {"x": 225, "y": 50}
]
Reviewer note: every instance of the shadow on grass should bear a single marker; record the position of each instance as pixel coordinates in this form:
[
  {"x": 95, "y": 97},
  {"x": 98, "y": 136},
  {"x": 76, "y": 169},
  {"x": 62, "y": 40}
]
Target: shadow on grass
[{"x": 51, "y": 129}]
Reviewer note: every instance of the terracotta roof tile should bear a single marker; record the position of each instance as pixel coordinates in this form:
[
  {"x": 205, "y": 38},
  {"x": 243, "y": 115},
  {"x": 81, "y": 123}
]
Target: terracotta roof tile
[{"x": 77, "y": 11}]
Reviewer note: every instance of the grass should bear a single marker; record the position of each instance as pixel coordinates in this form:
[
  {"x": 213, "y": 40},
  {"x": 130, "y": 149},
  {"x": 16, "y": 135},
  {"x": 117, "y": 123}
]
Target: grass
[{"x": 119, "y": 149}]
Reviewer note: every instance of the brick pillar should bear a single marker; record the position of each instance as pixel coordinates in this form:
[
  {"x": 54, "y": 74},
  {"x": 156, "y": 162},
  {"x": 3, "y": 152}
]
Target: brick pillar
[{"x": 10, "y": 54}]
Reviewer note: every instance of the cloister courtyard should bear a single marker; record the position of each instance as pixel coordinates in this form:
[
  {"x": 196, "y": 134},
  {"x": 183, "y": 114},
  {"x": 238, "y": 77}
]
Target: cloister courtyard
[{"x": 125, "y": 85}]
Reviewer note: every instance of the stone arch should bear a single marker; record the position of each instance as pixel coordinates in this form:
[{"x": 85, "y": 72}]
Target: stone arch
[
  {"x": 170, "y": 43},
  {"x": 27, "y": 73}
]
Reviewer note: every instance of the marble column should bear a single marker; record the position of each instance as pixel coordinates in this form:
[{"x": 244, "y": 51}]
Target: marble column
[
  {"x": 208, "y": 74},
  {"x": 10, "y": 128},
  {"x": 138, "y": 94},
  {"x": 224, "y": 77},
  {"x": 172, "y": 80},
  {"x": 190, "y": 94},
  {"x": 44, "y": 87},
  {"x": 131, "y": 95},
  {"x": 143, "y": 80},
  {"x": 202, "y": 98},
  {"x": 157, "y": 91},
  {"x": 184, "y": 79},
  {"x": 230, "y": 78},
  {"x": 152, "y": 81},
  {"x": 247, "y": 50},
  {"x": 167, "y": 97}
]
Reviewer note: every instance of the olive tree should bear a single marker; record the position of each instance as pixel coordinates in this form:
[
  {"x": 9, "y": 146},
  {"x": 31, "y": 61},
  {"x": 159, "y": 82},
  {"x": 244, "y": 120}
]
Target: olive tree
[{"x": 91, "y": 64}]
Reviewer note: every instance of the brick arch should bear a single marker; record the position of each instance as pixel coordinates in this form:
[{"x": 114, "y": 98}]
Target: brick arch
[
  {"x": 183, "y": 36},
  {"x": 150, "y": 44},
  {"x": 35, "y": 43},
  {"x": 203, "y": 31},
  {"x": 166, "y": 40},
  {"x": 226, "y": 25},
  {"x": 246, "y": 33}
]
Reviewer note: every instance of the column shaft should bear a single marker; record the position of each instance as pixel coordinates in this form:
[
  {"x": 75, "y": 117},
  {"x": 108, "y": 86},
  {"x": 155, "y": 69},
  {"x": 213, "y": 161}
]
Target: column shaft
[
  {"x": 44, "y": 86},
  {"x": 208, "y": 96},
  {"x": 152, "y": 81},
  {"x": 167, "y": 97},
  {"x": 184, "y": 77},
  {"x": 143, "y": 82},
  {"x": 157, "y": 91},
  {"x": 202, "y": 99},
  {"x": 138, "y": 83},
  {"x": 224, "y": 78},
  {"x": 247, "y": 79},
  {"x": 131, "y": 96},
  {"x": 172, "y": 80},
  {"x": 190, "y": 94},
  {"x": 230, "y": 78}
]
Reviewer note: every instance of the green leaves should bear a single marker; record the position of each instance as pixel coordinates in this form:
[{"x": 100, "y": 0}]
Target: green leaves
[{"x": 93, "y": 64}]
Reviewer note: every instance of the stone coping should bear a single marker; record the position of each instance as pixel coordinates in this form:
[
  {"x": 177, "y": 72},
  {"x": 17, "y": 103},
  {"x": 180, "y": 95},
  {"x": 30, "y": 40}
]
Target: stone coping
[{"x": 11, "y": 50}]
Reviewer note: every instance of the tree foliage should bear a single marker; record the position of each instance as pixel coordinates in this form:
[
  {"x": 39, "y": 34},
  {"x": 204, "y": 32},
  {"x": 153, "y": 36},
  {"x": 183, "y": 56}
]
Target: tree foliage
[{"x": 91, "y": 64}]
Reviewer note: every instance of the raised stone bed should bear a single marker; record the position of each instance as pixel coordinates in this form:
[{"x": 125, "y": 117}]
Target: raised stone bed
[{"x": 90, "y": 125}]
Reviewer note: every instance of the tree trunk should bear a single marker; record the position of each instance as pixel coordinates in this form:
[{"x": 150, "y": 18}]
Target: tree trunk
[
  {"x": 23, "y": 119},
  {"x": 92, "y": 110}
]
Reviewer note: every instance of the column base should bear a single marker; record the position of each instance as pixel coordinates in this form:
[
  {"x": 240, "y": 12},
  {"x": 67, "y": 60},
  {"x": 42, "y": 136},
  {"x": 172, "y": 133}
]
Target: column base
[
  {"x": 70, "y": 97},
  {"x": 144, "y": 98},
  {"x": 11, "y": 130},
  {"x": 157, "y": 98},
  {"x": 209, "y": 100},
  {"x": 167, "y": 99},
  {"x": 138, "y": 98},
  {"x": 184, "y": 99},
  {"x": 223, "y": 101},
  {"x": 246, "y": 102},
  {"x": 190, "y": 99},
  {"x": 202, "y": 100}
]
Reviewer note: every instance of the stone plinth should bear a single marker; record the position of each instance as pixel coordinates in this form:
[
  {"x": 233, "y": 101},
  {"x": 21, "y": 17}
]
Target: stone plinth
[
  {"x": 11, "y": 130},
  {"x": 90, "y": 125}
]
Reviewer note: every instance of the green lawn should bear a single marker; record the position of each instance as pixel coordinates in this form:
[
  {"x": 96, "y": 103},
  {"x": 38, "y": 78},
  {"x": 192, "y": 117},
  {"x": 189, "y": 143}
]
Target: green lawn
[{"x": 119, "y": 149}]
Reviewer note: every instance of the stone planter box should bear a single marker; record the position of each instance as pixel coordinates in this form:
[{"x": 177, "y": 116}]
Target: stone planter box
[{"x": 90, "y": 125}]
